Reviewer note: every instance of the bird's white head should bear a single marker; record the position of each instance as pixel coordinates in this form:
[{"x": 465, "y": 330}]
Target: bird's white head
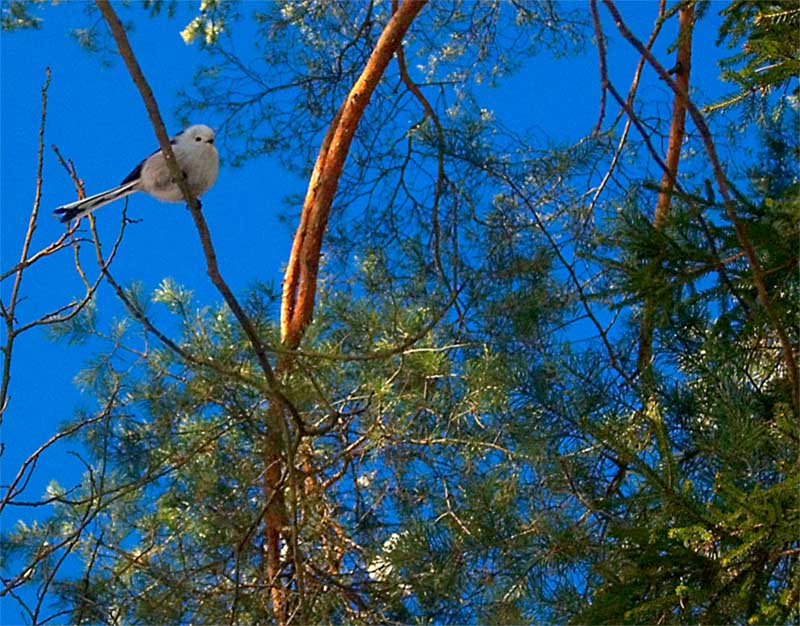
[
  {"x": 199, "y": 134},
  {"x": 197, "y": 157}
]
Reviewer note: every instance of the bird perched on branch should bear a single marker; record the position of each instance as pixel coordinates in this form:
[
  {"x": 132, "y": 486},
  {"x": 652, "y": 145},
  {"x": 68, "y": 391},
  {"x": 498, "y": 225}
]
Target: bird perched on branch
[{"x": 196, "y": 156}]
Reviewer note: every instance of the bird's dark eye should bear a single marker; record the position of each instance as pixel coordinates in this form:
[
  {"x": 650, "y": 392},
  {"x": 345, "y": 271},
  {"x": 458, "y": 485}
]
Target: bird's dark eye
[{"x": 198, "y": 138}]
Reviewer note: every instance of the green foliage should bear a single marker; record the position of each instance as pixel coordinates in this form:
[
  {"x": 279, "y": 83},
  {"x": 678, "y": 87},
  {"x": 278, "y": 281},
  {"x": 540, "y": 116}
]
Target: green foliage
[
  {"x": 79, "y": 326},
  {"x": 157, "y": 6},
  {"x": 18, "y": 14},
  {"x": 769, "y": 58},
  {"x": 719, "y": 550},
  {"x": 207, "y": 26},
  {"x": 174, "y": 296}
]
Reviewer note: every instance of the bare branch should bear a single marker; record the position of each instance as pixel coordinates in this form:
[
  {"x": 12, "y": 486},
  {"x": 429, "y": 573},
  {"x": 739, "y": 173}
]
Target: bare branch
[
  {"x": 631, "y": 95},
  {"x": 212, "y": 267},
  {"x": 9, "y": 310}
]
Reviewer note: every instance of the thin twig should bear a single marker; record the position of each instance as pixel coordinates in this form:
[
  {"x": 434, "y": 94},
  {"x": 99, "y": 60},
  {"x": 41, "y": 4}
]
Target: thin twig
[
  {"x": 9, "y": 310},
  {"x": 631, "y": 95},
  {"x": 440, "y": 154}
]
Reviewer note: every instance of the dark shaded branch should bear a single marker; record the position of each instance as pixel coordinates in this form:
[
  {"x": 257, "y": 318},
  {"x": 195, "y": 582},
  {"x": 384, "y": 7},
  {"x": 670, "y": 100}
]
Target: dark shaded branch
[
  {"x": 440, "y": 174},
  {"x": 601, "y": 52},
  {"x": 739, "y": 227}
]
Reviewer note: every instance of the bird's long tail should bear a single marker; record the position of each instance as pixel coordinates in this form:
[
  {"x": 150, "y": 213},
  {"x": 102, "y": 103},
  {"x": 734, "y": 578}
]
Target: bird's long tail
[{"x": 79, "y": 208}]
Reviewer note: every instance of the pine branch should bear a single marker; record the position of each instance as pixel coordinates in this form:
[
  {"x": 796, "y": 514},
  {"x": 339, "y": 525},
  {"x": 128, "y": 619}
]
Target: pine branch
[{"x": 722, "y": 183}]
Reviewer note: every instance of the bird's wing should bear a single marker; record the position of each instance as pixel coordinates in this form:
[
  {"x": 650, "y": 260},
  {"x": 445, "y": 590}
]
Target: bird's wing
[{"x": 137, "y": 171}]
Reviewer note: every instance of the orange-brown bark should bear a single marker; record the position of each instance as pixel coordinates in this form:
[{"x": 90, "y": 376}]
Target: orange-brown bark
[
  {"x": 300, "y": 280},
  {"x": 677, "y": 131},
  {"x": 677, "y": 128}
]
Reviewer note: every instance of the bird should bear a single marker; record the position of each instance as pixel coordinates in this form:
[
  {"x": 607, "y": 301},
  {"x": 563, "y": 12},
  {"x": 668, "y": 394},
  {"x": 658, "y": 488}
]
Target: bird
[{"x": 197, "y": 158}]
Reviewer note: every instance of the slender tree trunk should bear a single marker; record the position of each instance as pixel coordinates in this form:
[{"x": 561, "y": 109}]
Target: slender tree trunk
[
  {"x": 677, "y": 131},
  {"x": 300, "y": 280}
]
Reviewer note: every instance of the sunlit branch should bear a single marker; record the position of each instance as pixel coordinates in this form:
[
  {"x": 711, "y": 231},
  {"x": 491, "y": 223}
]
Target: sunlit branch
[{"x": 300, "y": 279}]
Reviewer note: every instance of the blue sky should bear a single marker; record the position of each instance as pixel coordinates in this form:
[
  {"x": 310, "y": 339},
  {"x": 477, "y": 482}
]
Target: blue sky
[{"x": 97, "y": 119}]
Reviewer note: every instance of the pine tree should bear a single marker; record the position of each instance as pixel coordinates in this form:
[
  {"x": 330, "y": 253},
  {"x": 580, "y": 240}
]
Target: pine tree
[{"x": 522, "y": 397}]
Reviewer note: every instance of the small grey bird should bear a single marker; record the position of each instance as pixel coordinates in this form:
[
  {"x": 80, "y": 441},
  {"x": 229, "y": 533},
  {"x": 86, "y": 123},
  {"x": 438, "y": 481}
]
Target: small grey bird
[{"x": 197, "y": 158}]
